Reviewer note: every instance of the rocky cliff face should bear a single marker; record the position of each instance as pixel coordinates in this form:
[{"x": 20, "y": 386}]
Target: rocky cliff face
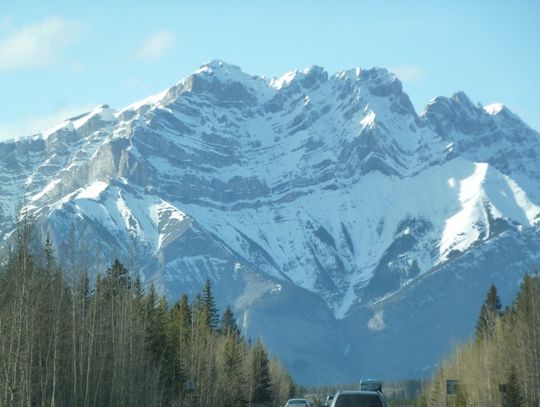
[{"x": 323, "y": 207}]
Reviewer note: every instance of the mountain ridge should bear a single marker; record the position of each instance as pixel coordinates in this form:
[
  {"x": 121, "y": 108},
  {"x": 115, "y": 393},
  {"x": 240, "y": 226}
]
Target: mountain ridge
[{"x": 329, "y": 188}]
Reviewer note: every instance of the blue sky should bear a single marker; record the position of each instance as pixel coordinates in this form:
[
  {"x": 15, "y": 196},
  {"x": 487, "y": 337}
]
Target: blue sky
[{"x": 59, "y": 58}]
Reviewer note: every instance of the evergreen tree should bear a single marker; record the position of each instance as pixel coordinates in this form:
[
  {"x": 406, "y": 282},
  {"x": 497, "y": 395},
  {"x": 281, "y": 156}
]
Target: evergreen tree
[
  {"x": 261, "y": 382},
  {"x": 512, "y": 397},
  {"x": 211, "y": 315},
  {"x": 197, "y": 310},
  {"x": 150, "y": 301},
  {"x": 84, "y": 285},
  {"x": 49, "y": 253},
  {"x": 228, "y": 323},
  {"x": 525, "y": 303},
  {"x": 181, "y": 331},
  {"x": 155, "y": 310},
  {"x": 233, "y": 377},
  {"x": 490, "y": 311},
  {"x": 182, "y": 314},
  {"x": 119, "y": 274},
  {"x": 158, "y": 326},
  {"x": 292, "y": 386},
  {"x": 138, "y": 289},
  {"x": 173, "y": 373}
]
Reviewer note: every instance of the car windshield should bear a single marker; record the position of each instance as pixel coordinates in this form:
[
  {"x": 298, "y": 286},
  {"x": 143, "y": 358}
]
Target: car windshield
[
  {"x": 298, "y": 401},
  {"x": 359, "y": 400}
]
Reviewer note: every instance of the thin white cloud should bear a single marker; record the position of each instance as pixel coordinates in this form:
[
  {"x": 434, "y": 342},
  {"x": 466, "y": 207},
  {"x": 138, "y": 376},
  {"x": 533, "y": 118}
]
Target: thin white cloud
[
  {"x": 37, "y": 45},
  {"x": 36, "y": 124},
  {"x": 155, "y": 46},
  {"x": 408, "y": 73}
]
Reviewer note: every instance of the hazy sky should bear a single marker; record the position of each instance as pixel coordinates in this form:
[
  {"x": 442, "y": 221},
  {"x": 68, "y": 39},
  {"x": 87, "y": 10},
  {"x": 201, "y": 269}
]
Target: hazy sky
[{"x": 60, "y": 58}]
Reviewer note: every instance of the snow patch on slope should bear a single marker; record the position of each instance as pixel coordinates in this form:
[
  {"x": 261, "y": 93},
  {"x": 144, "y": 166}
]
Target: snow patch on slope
[
  {"x": 103, "y": 113},
  {"x": 462, "y": 229},
  {"x": 376, "y": 323},
  {"x": 171, "y": 223},
  {"x": 493, "y": 108},
  {"x": 93, "y": 191},
  {"x": 150, "y": 101},
  {"x": 65, "y": 125}
]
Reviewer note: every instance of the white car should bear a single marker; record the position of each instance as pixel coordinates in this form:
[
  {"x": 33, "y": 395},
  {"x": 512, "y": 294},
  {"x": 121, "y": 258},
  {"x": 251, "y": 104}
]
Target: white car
[{"x": 297, "y": 403}]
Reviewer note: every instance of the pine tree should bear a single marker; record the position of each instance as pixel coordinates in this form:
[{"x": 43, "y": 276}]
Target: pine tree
[
  {"x": 198, "y": 311},
  {"x": 150, "y": 300},
  {"x": 160, "y": 324},
  {"x": 209, "y": 306},
  {"x": 119, "y": 274},
  {"x": 84, "y": 285},
  {"x": 139, "y": 298},
  {"x": 228, "y": 324},
  {"x": 181, "y": 333},
  {"x": 512, "y": 397},
  {"x": 49, "y": 253},
  {"x": 233, "y": 377},
  {"x": 182, "y": 315},
  {"x": 261, "y": 382},
  {"x": 155, "y": 309},
  {"x": 524, "y": 303},
  {"x": 490, "y": 311},
  {"x": 185, "y": 319},
  {"x": 292, "y": 386},
  {"x": 138, "y": 289}
]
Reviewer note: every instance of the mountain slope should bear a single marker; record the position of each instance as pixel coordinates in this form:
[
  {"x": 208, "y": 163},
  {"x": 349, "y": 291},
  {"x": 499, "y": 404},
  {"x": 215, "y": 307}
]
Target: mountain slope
[{"x": 308, "y": 199}]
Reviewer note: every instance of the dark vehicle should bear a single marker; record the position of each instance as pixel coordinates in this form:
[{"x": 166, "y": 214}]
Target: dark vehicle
[
  {"x": 297, "y": 403},
  {"x": 371, "y": 385},
  {"x": 328, "y": 401},
  {"x": 358, "y": 399}
]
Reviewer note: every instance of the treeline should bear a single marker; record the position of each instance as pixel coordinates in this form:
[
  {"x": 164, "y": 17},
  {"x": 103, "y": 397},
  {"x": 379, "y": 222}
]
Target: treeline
[
  {"x": 501, "y": 365},
  {"x": 69, "y": 340}
]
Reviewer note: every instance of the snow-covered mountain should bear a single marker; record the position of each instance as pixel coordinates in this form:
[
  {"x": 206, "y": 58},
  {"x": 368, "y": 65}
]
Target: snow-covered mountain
[{"x": 341, "y": 224}]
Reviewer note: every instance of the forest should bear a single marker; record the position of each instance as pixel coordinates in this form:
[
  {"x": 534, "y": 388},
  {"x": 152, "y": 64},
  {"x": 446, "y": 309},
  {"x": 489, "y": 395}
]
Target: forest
[
  {"x": 500, "y": 366},
  {"x": 72, "y": 337}
]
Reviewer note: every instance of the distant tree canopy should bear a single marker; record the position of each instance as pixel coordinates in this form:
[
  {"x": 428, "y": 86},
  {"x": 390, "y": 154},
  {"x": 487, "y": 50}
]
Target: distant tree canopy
[{"x": 109, "y": 342}]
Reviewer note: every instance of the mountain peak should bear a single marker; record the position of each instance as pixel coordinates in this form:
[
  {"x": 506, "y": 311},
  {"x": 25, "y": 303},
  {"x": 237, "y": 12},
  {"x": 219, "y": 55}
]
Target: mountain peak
[
  {"x": 221, "y": 71},
  {"x": 379, "y": 81},
  {"x": 461, "y": 98},
  {"x": 217, "y": 65},
  {"x": 494, "y": 108},
  {"x": 307, "y": 77},
  {"x": 458, "y": 106}
]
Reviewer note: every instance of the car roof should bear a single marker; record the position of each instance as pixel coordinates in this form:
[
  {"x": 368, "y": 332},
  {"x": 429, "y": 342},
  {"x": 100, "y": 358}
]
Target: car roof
[{"x": 358, "y": 392}]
